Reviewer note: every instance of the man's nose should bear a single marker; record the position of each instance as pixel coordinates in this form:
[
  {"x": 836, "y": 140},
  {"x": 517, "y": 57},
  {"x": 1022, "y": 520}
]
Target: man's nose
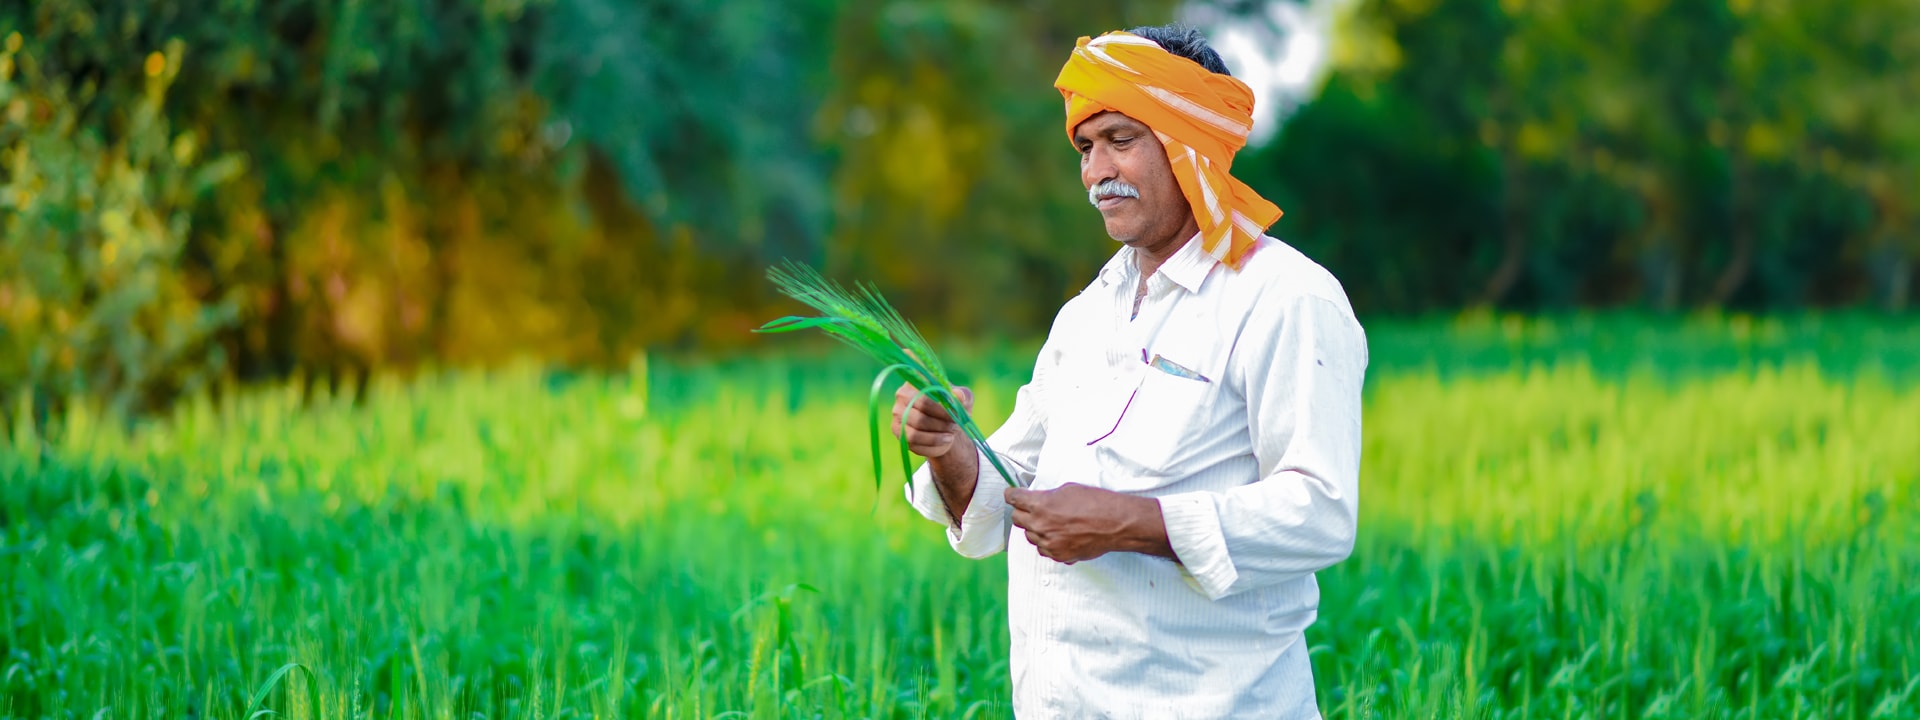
[{"x": 1096, "y": 167}]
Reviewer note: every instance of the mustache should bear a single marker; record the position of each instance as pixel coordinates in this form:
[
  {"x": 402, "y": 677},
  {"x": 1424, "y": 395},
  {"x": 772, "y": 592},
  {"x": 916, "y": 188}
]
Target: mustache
[{"x": 1114, "y": 187}]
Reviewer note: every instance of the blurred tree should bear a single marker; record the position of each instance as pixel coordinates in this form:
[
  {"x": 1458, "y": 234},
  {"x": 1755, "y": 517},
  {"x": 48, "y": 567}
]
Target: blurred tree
[
  {"x": 194, "y": 189},
  {"x": 1663, "y": 153},
  {"x": 92, "y": 225}
]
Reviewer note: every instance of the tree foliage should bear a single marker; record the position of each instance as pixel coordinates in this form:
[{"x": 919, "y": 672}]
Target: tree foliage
[
  {"x": 1667, "y": 154},
  {"x": 199, "y": 190}
]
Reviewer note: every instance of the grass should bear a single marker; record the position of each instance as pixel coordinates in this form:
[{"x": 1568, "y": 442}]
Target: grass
[
  {"x": 864, "y": 321},
  {"x": 1563, "y": 535}
]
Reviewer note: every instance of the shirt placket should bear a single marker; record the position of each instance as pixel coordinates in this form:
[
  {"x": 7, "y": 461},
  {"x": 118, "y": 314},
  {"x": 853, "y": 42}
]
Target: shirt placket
[
  {"x": 1051, "y": 659},
  {"x": 1128, "y": 337},
  {"x": 1133, "y": 335}
]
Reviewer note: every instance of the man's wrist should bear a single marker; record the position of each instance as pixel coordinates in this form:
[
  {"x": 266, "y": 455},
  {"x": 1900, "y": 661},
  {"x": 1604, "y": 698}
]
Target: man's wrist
[
  {"x": 955, "y": 477},
  {"x": 957, "y": 469},
  {"x": 1146, "y": 528}
]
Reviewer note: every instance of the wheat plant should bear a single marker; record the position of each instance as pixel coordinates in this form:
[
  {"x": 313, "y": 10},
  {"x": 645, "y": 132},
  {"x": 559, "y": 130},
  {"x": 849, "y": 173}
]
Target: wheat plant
[{"x": 863, "y": 319}]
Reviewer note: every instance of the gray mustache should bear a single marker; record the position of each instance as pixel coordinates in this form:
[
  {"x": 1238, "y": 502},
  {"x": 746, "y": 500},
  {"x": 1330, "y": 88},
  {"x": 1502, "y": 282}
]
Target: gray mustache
[{"x": 1110, "y": 187}]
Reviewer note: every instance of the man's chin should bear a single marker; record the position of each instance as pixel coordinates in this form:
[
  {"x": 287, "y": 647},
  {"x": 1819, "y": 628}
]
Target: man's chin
[{"x": 1123, "y": 234}]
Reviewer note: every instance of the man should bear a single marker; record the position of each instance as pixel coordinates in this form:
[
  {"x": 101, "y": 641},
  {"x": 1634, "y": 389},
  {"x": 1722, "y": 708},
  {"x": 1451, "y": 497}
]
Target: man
[{"x": 1189, "y": 445}]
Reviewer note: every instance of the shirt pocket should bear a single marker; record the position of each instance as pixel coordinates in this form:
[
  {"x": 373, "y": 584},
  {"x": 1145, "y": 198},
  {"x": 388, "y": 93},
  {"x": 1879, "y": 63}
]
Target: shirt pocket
[
  {"x": 1086, "y": 401},
  {"x": 1154, "y": 433}
]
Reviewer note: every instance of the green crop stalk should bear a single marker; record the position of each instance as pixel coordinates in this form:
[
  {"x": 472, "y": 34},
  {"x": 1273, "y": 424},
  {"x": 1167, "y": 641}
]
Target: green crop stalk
[{"x": 863, "y": 319}]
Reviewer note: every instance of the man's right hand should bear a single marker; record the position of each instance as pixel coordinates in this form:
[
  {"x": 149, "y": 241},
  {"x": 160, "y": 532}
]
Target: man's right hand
[{"x": 931, "y": 432}]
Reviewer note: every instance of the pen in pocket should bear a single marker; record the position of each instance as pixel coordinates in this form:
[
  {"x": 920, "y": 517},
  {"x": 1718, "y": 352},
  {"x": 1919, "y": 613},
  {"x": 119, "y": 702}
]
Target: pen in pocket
[{"x": 1170, "y": 367}]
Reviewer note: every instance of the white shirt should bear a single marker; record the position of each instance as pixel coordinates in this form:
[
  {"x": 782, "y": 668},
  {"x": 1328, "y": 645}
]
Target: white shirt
[{"x": 1256, "y": 468}]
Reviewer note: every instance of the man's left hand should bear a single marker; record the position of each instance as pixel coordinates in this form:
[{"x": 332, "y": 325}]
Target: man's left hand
[{"x": 1075, "y": 522}]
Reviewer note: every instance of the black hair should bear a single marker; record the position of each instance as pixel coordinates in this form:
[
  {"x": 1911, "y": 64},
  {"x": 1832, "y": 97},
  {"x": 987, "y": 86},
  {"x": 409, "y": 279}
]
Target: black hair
[{"x": 1184, "y": 41}]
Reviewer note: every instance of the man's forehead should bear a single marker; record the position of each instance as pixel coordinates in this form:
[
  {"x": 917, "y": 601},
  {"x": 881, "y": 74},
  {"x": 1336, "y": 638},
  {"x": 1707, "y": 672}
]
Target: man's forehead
[{"x": 1106, "y": 121}]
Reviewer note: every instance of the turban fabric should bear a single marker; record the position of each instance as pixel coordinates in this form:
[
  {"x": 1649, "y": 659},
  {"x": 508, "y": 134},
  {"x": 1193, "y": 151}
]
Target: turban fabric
[{"x": 1202, "y": 118}]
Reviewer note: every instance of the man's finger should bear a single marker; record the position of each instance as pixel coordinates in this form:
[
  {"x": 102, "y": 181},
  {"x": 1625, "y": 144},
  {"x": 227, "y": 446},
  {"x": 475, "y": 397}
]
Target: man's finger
[
  {"x": 926, "y": 424},
  {"x": 1025, "y": 499},
  {"x": 922, "y": 436},
  {"x": 1038, "y": 541},
  {"x": 920, "y": 442},
  {"x": 931, "y": 407},
  {"x": 1018, "y": 498}
]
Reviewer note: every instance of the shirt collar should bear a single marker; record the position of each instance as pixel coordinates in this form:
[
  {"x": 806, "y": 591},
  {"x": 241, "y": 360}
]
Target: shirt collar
[
  {"x": 1118, "y": 267},
  {"x": 1188, "y": 267}
]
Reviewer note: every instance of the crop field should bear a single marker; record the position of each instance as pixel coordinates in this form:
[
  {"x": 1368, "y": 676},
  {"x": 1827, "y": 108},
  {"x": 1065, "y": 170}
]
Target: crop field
[{"x": 1610, "y": 518}]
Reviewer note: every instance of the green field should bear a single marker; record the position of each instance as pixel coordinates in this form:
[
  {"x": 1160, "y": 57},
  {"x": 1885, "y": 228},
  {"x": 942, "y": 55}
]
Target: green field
[{"x": 1606, "y": 518}]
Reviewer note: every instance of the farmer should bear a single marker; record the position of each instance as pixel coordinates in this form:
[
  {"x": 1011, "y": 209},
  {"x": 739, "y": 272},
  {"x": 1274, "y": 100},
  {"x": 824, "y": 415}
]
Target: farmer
[{"x": 1190, "y": 441}]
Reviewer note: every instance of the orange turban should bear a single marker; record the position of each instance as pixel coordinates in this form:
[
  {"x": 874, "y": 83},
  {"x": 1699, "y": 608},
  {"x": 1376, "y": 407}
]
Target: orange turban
[{"x": 1202, "y": 118}]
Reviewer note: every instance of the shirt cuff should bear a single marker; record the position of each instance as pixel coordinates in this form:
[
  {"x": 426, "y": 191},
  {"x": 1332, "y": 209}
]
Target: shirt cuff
[
  {"x": 982, "y": 530},
  {"x": 1193, "y": 529}
]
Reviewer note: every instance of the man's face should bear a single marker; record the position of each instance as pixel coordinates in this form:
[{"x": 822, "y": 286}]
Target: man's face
[{"x": 1120, "y": 156}]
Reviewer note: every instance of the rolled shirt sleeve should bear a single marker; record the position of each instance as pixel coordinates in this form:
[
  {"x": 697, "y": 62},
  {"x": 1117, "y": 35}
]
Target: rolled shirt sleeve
[{"x": 1302, "y": 361}]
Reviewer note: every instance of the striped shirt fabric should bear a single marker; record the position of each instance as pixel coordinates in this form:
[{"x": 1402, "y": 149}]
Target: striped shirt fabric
[{"x": 1234, "y": 399}]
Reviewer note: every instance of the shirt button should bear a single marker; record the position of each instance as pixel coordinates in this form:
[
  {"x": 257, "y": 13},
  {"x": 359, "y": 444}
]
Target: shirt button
[{"x": 1046, "y": 580}]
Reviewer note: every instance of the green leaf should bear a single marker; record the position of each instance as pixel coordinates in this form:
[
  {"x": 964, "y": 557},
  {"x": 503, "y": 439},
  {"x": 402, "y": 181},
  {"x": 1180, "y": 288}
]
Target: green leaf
[
  {"x": 873, "y": 415},
  {"x": 791, "y": 323},
  {"x": 906, "y": 462},
  {"x": 260, "y": 695},
  {"x": 864, "y": 320}
]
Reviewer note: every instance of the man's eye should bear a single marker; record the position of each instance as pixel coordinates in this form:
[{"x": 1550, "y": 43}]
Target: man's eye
[{"x": 1122, "y": 141}]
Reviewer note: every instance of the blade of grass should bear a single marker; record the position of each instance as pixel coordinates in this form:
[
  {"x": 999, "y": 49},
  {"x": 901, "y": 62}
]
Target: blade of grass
[
  {"x": 313, "y": 689},
  {"x": 906, "y": 460},
  {"x": 873, "y": 416},
  {"x": 792, "y": 323},
  {"x": 864, "y": 320}
]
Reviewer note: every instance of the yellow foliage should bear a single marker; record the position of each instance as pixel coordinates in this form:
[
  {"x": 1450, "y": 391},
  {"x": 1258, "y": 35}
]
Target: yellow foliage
[
  {"x": 1766, "y": 141},
  {"x": 1362, "y": 44},
  {"x": 1536, "y": 141}
]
